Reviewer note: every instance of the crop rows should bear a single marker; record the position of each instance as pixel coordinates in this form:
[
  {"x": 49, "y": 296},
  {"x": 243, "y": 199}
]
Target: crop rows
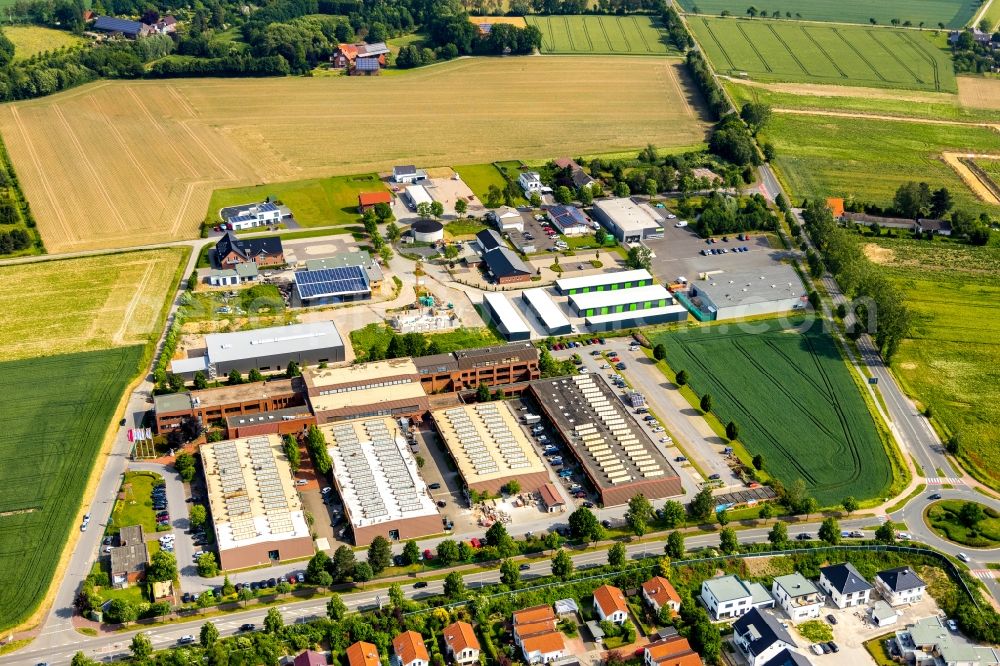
[
  {"x": 952, "y": 13},
  {"x": 795, "y": 403},
  {"x": 612, "y": 35}
]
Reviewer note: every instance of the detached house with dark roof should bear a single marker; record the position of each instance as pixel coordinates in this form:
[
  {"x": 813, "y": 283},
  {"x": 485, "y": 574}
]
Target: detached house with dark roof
[
  {"x": 900, "y": 586},
  {"x": 845, "y": 585},
  {"x": 759, "y": 637},
  {"x": 501, "y": 262},
  {"x": 231, "y": 251}
]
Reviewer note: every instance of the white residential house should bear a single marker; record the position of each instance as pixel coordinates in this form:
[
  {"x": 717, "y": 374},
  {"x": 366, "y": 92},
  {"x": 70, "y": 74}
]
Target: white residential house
[
  {"x": 531, "y": 183},
  {"x": 609, "y": 604},
  {"x": 797, "y": 596},
  {"x": 900, "y": 586},
  {"x": 248, "y": 217},
  {"x": 759, "y": 637},
  {"x": 844, "y": 585},
  {"x": 727, "y": 597},
  {"x": 408, "y": 174},
  {"x": 228, "y": 277},
  {"x": 461, "y": 643},
  {"x": 544, "y": 648},
  {"x": 507, "y": 219}
]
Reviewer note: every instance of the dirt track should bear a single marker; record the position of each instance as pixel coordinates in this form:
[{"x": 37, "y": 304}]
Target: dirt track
[
  {"x": 970, "y": 178},
  {"x": 879, "y": 116}
]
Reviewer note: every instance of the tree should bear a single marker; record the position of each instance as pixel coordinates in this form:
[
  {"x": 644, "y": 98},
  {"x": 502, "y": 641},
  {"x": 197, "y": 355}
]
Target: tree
[
  {"x": 245, "y": 594},
  {"x": 728, "y": 542},
  {"x": 509, "y": 573},
  {"x": 336, "y": 608},
  {"x": 141, "y": 647},
  {"x": 850, "y": 504},
  {"x": 273, "y": 622},
  {"x": 200, "y": 380},
  {"x": 829, "y": 531},
  {"x": 885, "y": 533},
  {"x": 293, "y": 370},
  {"x": 639, "y": 513},
  {"x": 617, "y": 555},
  {"x": 673, "y": 513},
  {"x": 228, "y": 589},
  {"x": 583, "y": 524},
  {"x": 290, "y": 445},
  {"x": 184, "y": 463},
  {"x": 411, "y": 552},
  {"x": 766, "y": 512},
  {"x": 912, "y": 199},
  {"x": 758, "y": 462},
  {"x": 379, "y": 554},
  {"x": 751, "y": 11},
  {"x": 701, "y": 506},
  {"x": 461, "y": 206},
  {"x": 437, "y": 208},
  {"x": 722, "y": 516},
  {"x": 424, "y": 209},
  {"x": 363, "y": 572},
  {"x": 778, "y": 536},
  {"x": 756, "y": 115},
  {"x": 675, "y": 545},
  {"x": 162, "y": 567},
  {"x": 512, "y": 487},
  {"x": 601, "y": 236},
  {"x": 535, "y": 199},
  {"x": 953, "y": 444},
  {"x": 447, "y": 552},
  {"x": 971, "y": 514},
  {"x": 318, "y": 564},
  {"x": 80, "y": 659},
  {"x": 254, "y": 376},
  {"x": 660, "y": 352},
  {"x": 621, "y": 189},
  {"x": 393, "y": 232},
  {"x": 639, "y": 256},
  {"x": 563, "y": 194},
  {"x": 483, "y": 393},
  {"x": 235, "y": 377},
  {"x": 706, "y": 402},
  {"x": 941, "y": 202},
  {"x": 465, "y": 551},
  {"x": 207, "y": 566},
  {"x": 562, "y": 564},
  {"x": 383, "y": 212},
  {"x": 198, "y": 515},
  {"x": 454, "y": 586},
  {"x": 396, "y": 597},
  {"x": 732, "y": 431},
  {"x": 809, "y": 506},
  {"x": 682, "y": 377}
]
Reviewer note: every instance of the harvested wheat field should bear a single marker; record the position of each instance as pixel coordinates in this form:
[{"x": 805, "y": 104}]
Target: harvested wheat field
[
  {"x": 128, "y": 163},
  {"x": 84, "y": 304},
  {"x": 979, "y": 93}
]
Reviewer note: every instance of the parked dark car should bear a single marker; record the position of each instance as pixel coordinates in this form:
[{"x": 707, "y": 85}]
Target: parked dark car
[
  {"x": 833, "y": 647},
  {"x": 272, "y": 582},
  {"x": 935, "y": 496},
  {"x": 831, "y": 619},
  {"x": 397, "y": 560},
  {"x": 434, "y": 486}
]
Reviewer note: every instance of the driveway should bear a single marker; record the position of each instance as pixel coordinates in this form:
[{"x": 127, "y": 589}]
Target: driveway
[{"x": 178, "y": 507}]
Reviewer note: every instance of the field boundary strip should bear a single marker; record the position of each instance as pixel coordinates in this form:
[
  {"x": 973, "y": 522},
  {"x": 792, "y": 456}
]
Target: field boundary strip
[
  {"x": 790, "y": 51},
  {"x": 823, "y": 50},
  {"x": 892, "y": 54},
  {"x": 860, "y": 55},
  {"x": 722, "y": 49},
  {"x": 754, "y": 48}
]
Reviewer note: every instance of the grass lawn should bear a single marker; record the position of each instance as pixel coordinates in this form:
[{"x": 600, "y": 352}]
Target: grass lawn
[
  {"x": 30, "y": 40},
  {"x": 869, "y": 159},
  {"x": 53, "y": 416},
  {"x": 943, "y": 517},
  {"x": 365, "y": 338},
  {"x": 950, "y": 358},
  {"x": 766, "y": 50},
  {"x": 133, "y": 594},
  {"x": 876, "y": 648},
  {"x": 314, "y": 202},
  {"x": 953, "y": 13},
  {"x": 611, "y": 35},
  {"x": 815, "y": 631},
  {"x": 464, "y": 227},
  {"x": 791, "y": 394},
  {"x": 479, "y": 177},
  {"x": 136, "y": 507}
]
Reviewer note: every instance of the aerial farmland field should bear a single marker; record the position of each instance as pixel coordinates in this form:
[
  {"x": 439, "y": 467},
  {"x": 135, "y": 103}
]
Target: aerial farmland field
[
  {"x": 794, "y": 401},
  {"x": 951, "y": 357},
  {"x": 770, "y": 50},
  {"x": 952, "y": 13},
  {"x": 54, "y": 411},
  {"x": 90, "y": 187},
  {"x": 85, "y": 304},
  {"x": 612, "y": 35}
]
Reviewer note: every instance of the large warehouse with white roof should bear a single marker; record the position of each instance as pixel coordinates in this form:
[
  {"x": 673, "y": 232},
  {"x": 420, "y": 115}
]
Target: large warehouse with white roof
[
  {"x": 549, "y": 314},
  {"x": 256, "y": 513},
  {"x": 605, "y": 281},
  {"x": 628, "y": 221},
  {"x": 378, "y": 481},
  {"x": 508, "y": 321},
  {"x": 766, "y": 290}
]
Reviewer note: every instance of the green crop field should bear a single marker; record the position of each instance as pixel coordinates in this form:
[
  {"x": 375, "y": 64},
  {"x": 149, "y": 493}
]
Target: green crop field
[
  {"x": 794, "y": 401},
  {"x": 768, "y": 50},
  {"x": 950, "y": 360},
  {"x": 479, "y": 177},
  {"x": 606, "y": 35},
  {"x": 869, "y": 159},
  {"x": 53, "y": 414},
  {"x": 952, "y": 13}
]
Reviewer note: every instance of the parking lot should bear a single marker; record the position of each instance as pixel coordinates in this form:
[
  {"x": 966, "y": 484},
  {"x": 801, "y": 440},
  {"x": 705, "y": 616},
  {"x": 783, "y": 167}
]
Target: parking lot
[
  {"x": 679, "y": 253},
  {"x": 542, "y": 241}
]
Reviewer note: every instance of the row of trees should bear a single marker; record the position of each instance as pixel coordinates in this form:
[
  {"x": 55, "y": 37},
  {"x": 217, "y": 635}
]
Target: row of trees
[{"x": 725, "y": 214}]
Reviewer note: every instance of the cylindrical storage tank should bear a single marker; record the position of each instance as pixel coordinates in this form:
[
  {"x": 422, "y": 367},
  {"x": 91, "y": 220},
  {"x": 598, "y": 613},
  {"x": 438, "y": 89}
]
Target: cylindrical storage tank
[{"x": 427, "y": 231}]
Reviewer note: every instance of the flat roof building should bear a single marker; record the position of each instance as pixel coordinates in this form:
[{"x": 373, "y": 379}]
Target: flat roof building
[
  {"x": 549, "y": 314},
  {"x": 224, "y": 402},
  {"x": 569, "y": 220},
  {"x": 360, "y": 258},
  {"x": 628, "y": 221},
  {"x": 417, "y": 194},
  {"x": 620, "y": 300},
  {"x": 256, "y": 512},
  {"x": 505, "y": 316},
  {"x": 325, "y": 286},
  {"x": 617, "y": 456},
  {"x": 382, "y": 388},
  {"x": 129, "y": 557},
  {"x": 496, "y": 365},
  {"x": 632, "y": 319},
  {"x": 734, "y": 294},
  {"x": 489, "y": 447},
  {"x": 377, "y": 478},
  {"x": 265, "y": 349},
  {"x": 604, "y": 282}
]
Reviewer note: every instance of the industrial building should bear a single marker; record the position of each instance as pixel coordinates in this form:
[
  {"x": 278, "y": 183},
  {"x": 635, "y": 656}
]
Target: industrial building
[
  {"x": 265, "y": 349},
  {"x": 500, "y": 261},
  {"x": 505, "y": 316},
  {"x": 256, "y": 512},
  {"x": 355, "y": 258},
  {"x": 262, "y": 401},
  {"x": 326, "y": 286},
  {"x": 549, "y": 314},
  {"x": 620, "y": 300},
  {"x": 416, "y": 195},
  {"x": 632, "y": 319},
  {"x": 618, "y": 457},
  {"x": 735, "y": 294},
  {"x": 604, "y": 282},
  {"x": 378, "y": 481},
  {"x": 569, "y": 220},
  {"x": 628, "y": 221},
  {"x": 382, "y": 388},
  {"x": 489, "y": 448},
  {"x": 465, "y": 369}
]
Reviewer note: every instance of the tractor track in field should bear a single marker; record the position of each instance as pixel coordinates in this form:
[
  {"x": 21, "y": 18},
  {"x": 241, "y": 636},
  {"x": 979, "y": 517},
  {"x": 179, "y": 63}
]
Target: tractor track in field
[{"x": 882, "y": 116}]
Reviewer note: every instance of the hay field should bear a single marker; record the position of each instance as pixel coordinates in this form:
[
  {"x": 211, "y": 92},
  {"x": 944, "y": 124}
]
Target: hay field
[
  {"x": 118, "y": 164},
  {"x": 979, "y": 93},
  {"x": 612, "y": 35},
  {"x": 517, "y": 21},
  {"x": 85, "y": 304},
  {"x": 30, "y": 40},
  {"x": 953, "y": 13},
  {"x": 831, "y": 54}
]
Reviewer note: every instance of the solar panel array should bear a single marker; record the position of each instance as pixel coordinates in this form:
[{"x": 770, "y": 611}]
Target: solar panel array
[
  {"x": 491, "y": 422},
  {"x": 400, "y": 494},
  {"x": 331, "y": 281}
]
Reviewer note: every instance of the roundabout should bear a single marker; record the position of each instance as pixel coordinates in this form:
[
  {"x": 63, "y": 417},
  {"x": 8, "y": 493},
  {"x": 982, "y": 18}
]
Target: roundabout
[{"x": 964, "y": 522}]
